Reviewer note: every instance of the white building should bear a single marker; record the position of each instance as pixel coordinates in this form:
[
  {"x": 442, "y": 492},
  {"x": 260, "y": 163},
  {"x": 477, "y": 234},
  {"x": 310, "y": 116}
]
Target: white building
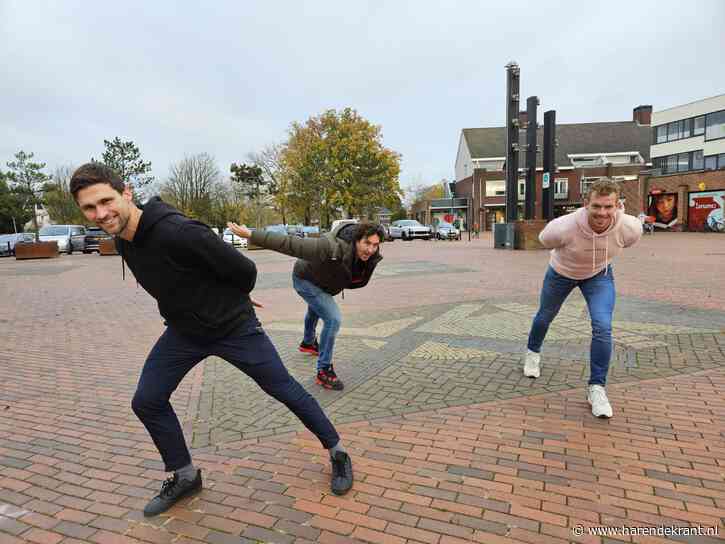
[{"x": 689, "y": 137}]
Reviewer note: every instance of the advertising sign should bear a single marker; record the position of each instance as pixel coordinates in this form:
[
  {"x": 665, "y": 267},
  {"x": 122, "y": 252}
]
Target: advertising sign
[
  {"x": 705, "y": 211},
  {"x": 662, "y": 210}
]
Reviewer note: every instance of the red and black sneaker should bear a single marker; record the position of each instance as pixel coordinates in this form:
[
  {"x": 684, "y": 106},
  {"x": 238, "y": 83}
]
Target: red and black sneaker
[
  {"x": 312, "y": 349},
  {"x": 328, "y": 379}
]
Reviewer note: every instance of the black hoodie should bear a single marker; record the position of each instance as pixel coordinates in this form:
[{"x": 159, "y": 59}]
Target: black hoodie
[{"x": 200, "y": 283}]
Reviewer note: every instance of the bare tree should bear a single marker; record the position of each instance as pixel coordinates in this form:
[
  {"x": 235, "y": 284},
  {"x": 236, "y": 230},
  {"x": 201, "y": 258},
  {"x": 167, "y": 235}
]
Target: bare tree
[
  {"x": 191, "y": 184},
  {"x": 269, "y": 160}
]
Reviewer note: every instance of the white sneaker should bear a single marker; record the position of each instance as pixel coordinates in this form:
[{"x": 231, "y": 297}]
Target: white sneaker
[
  {"x": 532, "y": 365},
  {"x": 597, "y": 398}
]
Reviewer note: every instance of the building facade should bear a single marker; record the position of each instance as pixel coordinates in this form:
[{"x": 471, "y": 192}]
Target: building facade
[
  {"x": 586, "y": 152},
  {"x": 685, "y": 189}
]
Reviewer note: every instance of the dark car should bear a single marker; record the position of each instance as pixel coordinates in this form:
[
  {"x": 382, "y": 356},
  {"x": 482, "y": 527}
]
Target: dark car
[
  {"x": 94, "y": 235},
  {"x": 9, "y": 241}
]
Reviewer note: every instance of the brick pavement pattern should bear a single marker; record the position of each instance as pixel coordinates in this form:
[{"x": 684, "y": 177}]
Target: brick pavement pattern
[{"x": 451, "y": 444}]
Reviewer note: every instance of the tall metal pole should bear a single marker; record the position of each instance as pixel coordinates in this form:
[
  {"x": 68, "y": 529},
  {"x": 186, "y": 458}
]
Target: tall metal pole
[
  {"x": 549, "y": 164},
  {"x": 512, "y": 141},
  {"x": 530, "y": 196}
]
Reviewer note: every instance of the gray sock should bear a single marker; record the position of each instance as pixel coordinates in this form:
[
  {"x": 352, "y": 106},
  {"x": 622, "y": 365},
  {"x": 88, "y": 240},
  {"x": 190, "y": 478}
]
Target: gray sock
[
  {"x": 187, "y": 473},
  {"x": 337, "y": 447}
]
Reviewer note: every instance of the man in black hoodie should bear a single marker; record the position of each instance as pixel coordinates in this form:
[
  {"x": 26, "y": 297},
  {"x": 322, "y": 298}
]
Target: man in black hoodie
[
  {"x": 342, "y": 259},
  {"x": 202, "y": 287}
]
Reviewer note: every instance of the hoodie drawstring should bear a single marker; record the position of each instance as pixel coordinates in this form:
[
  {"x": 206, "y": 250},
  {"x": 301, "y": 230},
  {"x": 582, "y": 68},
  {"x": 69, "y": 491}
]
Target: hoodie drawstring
[{"x": 594, "y": 253}]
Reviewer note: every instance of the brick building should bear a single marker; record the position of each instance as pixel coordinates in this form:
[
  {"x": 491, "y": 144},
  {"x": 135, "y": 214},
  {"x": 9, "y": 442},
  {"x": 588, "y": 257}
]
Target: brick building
[
  {"x": 586, "y": 153},
  {"x": 685, "y": 189}
]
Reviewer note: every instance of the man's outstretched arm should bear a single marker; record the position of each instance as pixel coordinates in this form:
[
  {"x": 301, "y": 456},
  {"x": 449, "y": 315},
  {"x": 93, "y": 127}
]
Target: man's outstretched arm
[{"x": 308, "y": 249}]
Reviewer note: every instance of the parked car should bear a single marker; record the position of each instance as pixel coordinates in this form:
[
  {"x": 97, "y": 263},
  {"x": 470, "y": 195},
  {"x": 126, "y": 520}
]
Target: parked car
[
  {"x": 409, "y": 229},
  {"x": 338, "y": 222},
  {"x": 297, "y": 230},
  {"x": 9, "y": 241},
  {"x": 234, "y": 240},
  {"x": 446, "y": 231},
  {"x": 70, "y": 238},
  {"x": 310, "y": 231},
  {"x": 94, "y": 236}
]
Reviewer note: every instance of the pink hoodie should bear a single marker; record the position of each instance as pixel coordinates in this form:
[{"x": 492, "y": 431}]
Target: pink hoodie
[{"x": 577, "y": 252}]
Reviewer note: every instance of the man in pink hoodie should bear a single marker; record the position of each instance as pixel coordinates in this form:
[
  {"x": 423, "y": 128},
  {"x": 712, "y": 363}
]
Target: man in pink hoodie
[{"x": 583, "y": 244}]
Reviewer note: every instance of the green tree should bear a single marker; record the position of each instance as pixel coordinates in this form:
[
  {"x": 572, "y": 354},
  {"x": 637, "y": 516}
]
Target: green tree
[
  {"x": 13, "y": 214},
  {"x": 250, "y": 180},
  {"x": 27, "y": 180},
  {"x": 59, "y": 201},
  {"x": 125, "y": 159},
  {"x": 337, "y": 162}
]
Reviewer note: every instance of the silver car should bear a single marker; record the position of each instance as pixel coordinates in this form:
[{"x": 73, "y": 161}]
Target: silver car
[
  {"x": 409, "y": 229},
  {"x": 70, "y": 238},
  {"x": 234, "y": 240}
]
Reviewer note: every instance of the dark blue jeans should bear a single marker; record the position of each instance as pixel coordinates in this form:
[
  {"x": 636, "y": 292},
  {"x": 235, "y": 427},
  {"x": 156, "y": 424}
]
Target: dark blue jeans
[
  {"x": 599, "y": 293},
  {"x": 250, "y": 350},
  {"x": 320, "y": 305}
]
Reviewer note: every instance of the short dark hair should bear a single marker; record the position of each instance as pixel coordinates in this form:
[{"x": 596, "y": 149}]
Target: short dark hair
[
  {"x": 366, "y": 229},
  {"x": 92, "y": 173}
]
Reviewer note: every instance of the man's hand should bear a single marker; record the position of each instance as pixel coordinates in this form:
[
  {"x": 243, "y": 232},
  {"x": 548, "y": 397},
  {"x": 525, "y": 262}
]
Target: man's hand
[
  {"x": 256, "y": 303},
  {"x": 240, "y": 230}
]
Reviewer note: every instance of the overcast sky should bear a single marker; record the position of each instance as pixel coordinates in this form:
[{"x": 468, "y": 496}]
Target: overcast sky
[{"x": 228, "y": 78}]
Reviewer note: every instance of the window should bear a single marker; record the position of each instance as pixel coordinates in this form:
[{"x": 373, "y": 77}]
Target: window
[
  {"x": 683, "y": 162},
  {"x": 711, "y": 162},
  {"x": 661, "y": 134},
  {"x": 685, "y": 128},
  {"x": 586, "y": 183},
  {"x": 561, "y": 188},
  {"x": 522, "y": 188},
  {"x": 721, "y": 160},
  {"x": 671, "y": 164},
  {"x": 673, "y": 131},
  {"x": 495, "y": 187},
  {"x": 699, "y": 126},
  {"x": 715, "y": 125},
  {"x": 697, "y": 160}
]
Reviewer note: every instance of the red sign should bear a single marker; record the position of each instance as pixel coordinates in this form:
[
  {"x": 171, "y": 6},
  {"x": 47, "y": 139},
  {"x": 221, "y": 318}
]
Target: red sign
[{"x": 705, "y": 211}]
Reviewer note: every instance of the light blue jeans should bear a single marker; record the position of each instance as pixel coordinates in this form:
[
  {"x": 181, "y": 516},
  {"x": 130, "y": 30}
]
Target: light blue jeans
[
  {"x": 600, "y": 295},
  {"x": 320, "y": 305}
]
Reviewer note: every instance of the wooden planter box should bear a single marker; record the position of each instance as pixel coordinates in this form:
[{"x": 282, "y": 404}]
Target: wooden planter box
[
  {"x": 107, "y": 247},
  {"x": 527, "y": 234},
  {"x": 36, "y": 250}
]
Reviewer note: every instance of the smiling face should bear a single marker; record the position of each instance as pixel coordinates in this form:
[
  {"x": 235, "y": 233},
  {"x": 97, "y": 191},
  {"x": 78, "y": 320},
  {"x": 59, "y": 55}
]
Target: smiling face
[
  {"x": 367, "y": 246},
  {"x": 601, "y": 210},
  {"x": 106, "y": 207}
]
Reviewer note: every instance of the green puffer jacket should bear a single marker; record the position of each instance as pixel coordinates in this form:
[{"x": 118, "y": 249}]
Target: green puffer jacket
[{"x": 326, "y": 261}]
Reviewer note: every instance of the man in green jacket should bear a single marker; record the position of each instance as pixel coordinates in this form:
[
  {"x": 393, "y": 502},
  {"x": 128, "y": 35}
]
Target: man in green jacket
[{"x": 342, "y": 259}]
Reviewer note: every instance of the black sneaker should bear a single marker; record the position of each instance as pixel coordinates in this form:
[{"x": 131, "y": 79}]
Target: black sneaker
[
  {"x": 172, "y": 491},
  {"x": 341, "y": 473},
  {"x": 312, "y": 349},
  {"x": 328, "y": 379}
]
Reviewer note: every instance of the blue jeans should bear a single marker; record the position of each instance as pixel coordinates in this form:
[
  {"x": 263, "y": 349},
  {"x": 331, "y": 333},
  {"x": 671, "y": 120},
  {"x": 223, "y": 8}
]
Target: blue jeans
[
  {"x": 320, "y": 305},
  {"x": 250, "y": 350},
  {"x": 599, "y": 293}
]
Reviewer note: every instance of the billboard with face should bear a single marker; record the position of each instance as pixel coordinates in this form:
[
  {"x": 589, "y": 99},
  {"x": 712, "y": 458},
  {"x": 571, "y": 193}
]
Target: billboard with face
[
  {"x": 705, "y": 211},
  {"x": 662, "y": 210}
]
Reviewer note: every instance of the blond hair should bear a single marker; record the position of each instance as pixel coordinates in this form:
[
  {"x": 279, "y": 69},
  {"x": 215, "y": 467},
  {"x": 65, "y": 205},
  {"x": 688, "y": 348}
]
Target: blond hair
[{"x": 604, "y": 187}]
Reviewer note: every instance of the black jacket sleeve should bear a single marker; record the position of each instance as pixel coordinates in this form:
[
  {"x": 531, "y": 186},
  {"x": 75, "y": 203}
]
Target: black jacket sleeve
[{"x": 197, "y": 244}]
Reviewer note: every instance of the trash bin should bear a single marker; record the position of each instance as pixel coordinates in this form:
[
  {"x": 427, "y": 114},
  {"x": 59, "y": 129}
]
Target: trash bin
[{"x": 504, "y": 235}]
